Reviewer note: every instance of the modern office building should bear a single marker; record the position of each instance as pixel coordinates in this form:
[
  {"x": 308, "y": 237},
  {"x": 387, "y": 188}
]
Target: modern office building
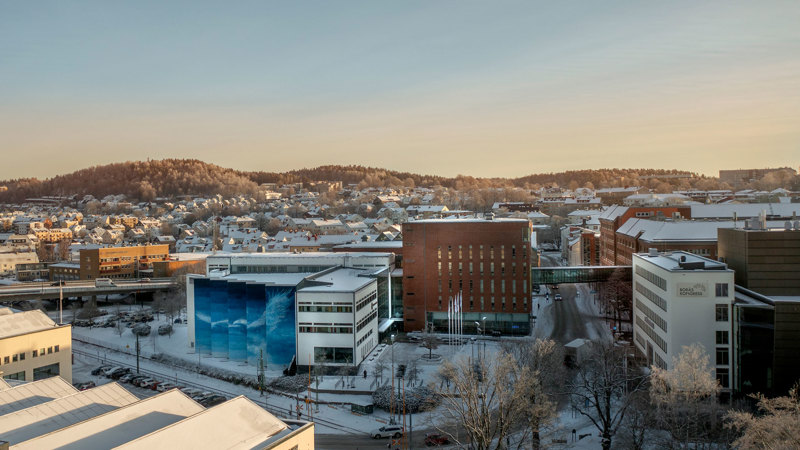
[
  {"x": 766, "y": 338},
  {"x": 681, "y": 299},
  {"x": 765, "y": 261},
  {"x": 33, "y": 347},
  {"x": 319, "y": 308},
  {"x": 121, "y": 262},
  {"x": 487, "y": 261}
]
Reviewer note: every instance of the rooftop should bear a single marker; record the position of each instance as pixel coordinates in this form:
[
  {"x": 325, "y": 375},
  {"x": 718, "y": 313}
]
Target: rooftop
[
  {"x": 340, "y": 280},
  {"x": 32, "y": 394},
  {"x": 46, "y": 417},
  {"x": 24, "y": 322},
  {"x": 682, "y": 261},
  {"x": 467, "y": 220}
]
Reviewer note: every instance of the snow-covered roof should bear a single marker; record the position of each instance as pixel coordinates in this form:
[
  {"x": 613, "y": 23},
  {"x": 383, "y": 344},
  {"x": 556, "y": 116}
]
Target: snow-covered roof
[
  {"x": 340, "y": 280},
  {"x": 31, "y": 394},
  {"x": 24, "y": 322}
]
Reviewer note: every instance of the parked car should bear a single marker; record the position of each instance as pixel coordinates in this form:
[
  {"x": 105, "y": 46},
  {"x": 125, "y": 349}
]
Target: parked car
[
  {"x": 385, "y": 431},
  {"x": 213, "y": 400},
  {"x": 99, "y": 370},
  {"x": 115, "y": 375},
  {"x": 141, "y": 329},
  {"x": 103, "y": 282},
  {"x": 147, "y": 383},
  {"x": 110, "y": 370},
  {"x": 127, "y": 377},
  {"x": 190, "y": 391},
  {"x": 201, "y": 396},
  {"x": 164, "y": 329},
  {"x": 165, "y": 387},
  {"x": 137, "y": 379},
  {"x": 436, "y": 439}
]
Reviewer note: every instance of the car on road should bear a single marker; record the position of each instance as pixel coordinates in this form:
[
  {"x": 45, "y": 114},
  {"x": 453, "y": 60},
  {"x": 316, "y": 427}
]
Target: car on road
[
  {"x": 144, "y": 280},
  {"x": 385, "y": 431},
  {"x": 557, "y": 297},
  {"x": 436, "y": 439},
  {"x": 103, "y": 282},
  {"x": 58, "y": 283}
]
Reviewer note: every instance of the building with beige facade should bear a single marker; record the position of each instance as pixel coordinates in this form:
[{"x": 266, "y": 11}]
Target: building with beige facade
[
  {"x": 121, "y": 262},
  {"x": 33, "y": 347}
]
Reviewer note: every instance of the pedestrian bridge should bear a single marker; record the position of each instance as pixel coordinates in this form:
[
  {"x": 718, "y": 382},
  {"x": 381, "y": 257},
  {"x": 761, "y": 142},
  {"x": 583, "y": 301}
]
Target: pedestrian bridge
[
  {"x": 47, "y": 290},
  {"x": 581, "y": 274}
]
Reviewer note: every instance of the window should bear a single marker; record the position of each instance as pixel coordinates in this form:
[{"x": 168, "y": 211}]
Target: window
[
  {"x": 49, "y": 350},
  {"x": 722, "y": 313},
  {"x": 722, "y": 356},
  {"x": 34, "y": 353},
  {"x": 722, "y": 289},
  {"x": 41, "y": 373},
  {"x": 15, "y": 376},
  {"x": 14, "y": 357},
  {"x": 22, "y": 356},
  {"x": 722, "y": 377},
  {"x": 722, "y": 338}
]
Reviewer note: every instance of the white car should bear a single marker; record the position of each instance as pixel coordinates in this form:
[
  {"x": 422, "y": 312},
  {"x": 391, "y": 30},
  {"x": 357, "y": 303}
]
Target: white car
[
  {"x": 394, "y": 431},
  {"x": 165, "y": 387},
  {"x": 110, "y": 370}
]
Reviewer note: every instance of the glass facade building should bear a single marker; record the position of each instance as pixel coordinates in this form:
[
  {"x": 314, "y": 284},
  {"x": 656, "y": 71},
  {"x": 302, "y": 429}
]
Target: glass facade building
[{"x": 238, "y": 320}]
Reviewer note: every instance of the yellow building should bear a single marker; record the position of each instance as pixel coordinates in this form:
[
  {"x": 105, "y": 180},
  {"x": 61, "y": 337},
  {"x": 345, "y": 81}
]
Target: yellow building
[{"x": 33, "y": 347}]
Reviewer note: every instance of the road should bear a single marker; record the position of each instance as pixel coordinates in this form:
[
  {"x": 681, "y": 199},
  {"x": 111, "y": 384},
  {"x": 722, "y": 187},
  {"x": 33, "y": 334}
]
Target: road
[
  {"x": 46, "y": 290},
  {"x": 571, "y": 321}
]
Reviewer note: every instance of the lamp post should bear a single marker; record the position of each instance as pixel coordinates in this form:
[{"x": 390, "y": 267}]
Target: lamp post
[{"x": 391, "y": 399}]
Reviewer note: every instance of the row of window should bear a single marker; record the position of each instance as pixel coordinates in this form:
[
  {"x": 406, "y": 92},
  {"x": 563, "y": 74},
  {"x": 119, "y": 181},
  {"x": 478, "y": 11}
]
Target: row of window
[
  {"x": 524, "y": 253},
  {"x": 661, "y": 343},
  {"x": 503, "y": 300},
  {"x": 652, "y": 296},
  {"x": 366, "y": 320},
  {"x": 326, "y": 329},
  {"x": 651, "y": 277},
  {"x": 480, "y": 268},
  {"x": 34, "y": 353},
  {"x": 364, "y": 337},
  {"x": 658, "y": 320},
  {"x": 324, "y": 308},
  {"x": 366, "y": 301}
]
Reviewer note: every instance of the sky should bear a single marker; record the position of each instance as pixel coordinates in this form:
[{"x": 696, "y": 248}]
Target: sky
[{"x": 445, "y": 87}]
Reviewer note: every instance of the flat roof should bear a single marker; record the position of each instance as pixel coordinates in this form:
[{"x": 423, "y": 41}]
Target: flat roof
[
  {"x": 278, "y": 279},
  {"x": 237, "y": 423},
  {"x": 296, "y": 255},
  {"x": 343, "y": 279},
  {"x": 34, "y": 393},
  {"x": 24, "y": 322},
  {"x": 4, "y": 385},
  {"x": 672, "y": 261},
  {"x": 44, "y": 418},
  {"x": 121, "y": 425}
]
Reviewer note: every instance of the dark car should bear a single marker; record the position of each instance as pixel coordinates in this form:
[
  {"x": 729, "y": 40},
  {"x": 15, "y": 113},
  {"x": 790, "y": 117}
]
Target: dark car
[
  {"x": 212, "y": 400},
  {"x": 117, "y": 374},
  {"x": 85, "y": 386},
  {"x": 58, "y": 283},
  {"x": 436, "y": 439},
  {"x": 101, "y": 369}
]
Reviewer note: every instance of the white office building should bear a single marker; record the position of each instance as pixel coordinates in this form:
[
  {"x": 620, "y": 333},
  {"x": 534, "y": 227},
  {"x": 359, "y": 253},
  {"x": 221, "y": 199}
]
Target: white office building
[
  {"x": 680, "y": 299},
  {"x": 337, "y": 318}
]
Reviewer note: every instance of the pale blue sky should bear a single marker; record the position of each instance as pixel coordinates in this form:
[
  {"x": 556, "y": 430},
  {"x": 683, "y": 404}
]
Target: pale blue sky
[{"x": 500, "y": 88}]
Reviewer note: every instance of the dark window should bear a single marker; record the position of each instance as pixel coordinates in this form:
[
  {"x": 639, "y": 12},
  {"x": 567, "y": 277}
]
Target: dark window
[
  {"x": 722, "y": 313},
  {"x": 722, "y": 289},
  {"x": 722, "y": 356},
  {"x": 722, "y": 338},
  {"x": 41, "y": 373},
  {"x": 722, "y": 377}
]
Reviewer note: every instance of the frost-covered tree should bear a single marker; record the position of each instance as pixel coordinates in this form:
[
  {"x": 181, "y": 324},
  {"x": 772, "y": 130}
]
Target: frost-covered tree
[
  {"x": 686, "y": 399},
  {"x": 777, "y": 424}
]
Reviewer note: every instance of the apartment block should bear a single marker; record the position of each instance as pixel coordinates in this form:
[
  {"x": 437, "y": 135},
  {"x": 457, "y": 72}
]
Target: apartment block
[
  {"x": 121, "y": 262},
  {"x": 33, "y": 347}
]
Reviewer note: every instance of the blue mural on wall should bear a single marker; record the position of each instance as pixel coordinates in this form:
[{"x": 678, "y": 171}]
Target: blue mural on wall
[{"x": 238, "y": 320}]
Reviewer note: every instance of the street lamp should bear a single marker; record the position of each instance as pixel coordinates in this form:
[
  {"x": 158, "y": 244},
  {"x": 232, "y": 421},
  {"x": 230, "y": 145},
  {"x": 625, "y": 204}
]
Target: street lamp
[{"x": 391, "y": 398}]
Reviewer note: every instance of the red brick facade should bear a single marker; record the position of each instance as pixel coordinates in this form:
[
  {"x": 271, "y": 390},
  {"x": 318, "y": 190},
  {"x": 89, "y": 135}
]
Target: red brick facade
[
  {"x": 609, "y": 245},
  {"x": 488, "y": 261}
]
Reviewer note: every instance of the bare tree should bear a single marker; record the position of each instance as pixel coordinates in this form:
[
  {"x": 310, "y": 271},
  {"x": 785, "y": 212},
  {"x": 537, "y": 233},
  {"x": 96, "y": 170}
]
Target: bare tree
[
  {"x": 603, "y": 387},
  {"x": 429, "y": 340},
  {"x": 777, "y": 425},
  {"x": 544, "y": 358},
  {"x": 686, "y": 399},
  {"x": 489, "y": 399}
]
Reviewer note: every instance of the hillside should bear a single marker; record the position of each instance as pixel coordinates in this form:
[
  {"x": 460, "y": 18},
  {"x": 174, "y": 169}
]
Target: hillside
[{"x": 145, "y": 180}]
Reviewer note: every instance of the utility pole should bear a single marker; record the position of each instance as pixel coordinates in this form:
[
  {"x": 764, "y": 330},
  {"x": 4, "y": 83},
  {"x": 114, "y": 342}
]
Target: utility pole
[
  {"x": 137, "y": 352},
  {"x": 60, "y": 302}
]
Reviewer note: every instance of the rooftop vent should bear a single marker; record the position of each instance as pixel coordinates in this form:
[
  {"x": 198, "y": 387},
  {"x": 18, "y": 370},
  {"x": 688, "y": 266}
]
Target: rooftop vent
[{"x": 652, "y": 252}]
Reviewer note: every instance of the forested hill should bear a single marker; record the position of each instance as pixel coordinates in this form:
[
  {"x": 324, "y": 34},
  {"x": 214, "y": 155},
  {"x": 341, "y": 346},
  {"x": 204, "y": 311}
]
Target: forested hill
[{"x": 145, "y": 180}]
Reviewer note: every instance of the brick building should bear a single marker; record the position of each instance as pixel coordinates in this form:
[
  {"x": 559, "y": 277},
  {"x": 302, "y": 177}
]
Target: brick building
[
  {"x": 121, "y": 262},
  {"x": 488, "y": 261},
  {"x": 765, "y": 261},
  {"x": 615, "y": 216}
]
